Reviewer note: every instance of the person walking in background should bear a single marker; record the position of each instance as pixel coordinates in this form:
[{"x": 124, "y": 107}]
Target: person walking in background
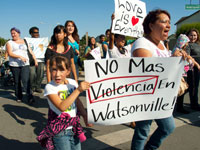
[
  {"x": 73, "y": 41},
  {"x": 181, "y": 44},
  {"x": 106, "y": 43},
  {"x": 100, "y": 44},
  {"x": 59, "y": 46},
  {"x": 91, "y": 45},
  {"x": 193, "y": 49},
  {"x": 156, "y": 28},
  {"x": 36, "y": 73},
  {"x": 19, "y": 64}
]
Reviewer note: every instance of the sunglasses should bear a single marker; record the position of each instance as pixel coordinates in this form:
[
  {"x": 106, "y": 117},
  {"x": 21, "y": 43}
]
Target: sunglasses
[{"x": 36, "y": 32}]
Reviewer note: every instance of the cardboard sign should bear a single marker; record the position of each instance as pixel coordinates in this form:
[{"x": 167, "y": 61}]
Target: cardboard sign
[
  {"x": 38, "y": 45},
  {"x": 129, "y": 16},
  {"x": 96, "y": 53},
  {"x": 132, "y": 89}
]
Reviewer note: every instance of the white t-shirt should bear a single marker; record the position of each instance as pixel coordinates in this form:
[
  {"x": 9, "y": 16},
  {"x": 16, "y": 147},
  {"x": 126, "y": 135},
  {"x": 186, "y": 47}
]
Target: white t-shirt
[
  {"x": 21, "y": 50},
  {"x": 114, "y": 53},
  {"x": 63, "y": 91},
  {"x": 148, "y": 45}
]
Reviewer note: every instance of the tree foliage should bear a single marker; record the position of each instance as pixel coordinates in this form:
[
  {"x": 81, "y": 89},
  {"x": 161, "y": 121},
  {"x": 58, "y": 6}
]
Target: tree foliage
[
  {"x": 2, "y": 41},
  {"x": 186, "y": 27}
]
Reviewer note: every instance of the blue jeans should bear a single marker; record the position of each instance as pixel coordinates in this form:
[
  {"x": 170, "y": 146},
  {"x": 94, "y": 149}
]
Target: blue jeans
[
  {"x": 36, "y": 75},
  {"x": 165, "y": 127},
  {"x": 21, "y": 74},
  {"x": 66, "y": 140}
]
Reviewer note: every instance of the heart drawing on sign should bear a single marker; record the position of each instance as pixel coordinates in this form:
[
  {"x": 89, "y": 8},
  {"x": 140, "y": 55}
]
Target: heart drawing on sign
[{"x": 134, "y": 20}]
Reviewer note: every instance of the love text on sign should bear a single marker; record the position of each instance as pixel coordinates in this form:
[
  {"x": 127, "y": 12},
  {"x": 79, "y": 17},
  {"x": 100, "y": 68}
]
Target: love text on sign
[{"x": 129, "y": 16}]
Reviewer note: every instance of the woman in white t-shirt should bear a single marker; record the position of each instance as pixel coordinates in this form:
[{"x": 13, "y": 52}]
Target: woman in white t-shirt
[
  {"x": 156, "y": 28},
  {"x": 19, "y": 64}
]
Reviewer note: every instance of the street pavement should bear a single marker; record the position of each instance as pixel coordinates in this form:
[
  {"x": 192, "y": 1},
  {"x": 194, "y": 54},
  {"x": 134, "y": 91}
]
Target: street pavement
[{"x": 21, "y": 123}]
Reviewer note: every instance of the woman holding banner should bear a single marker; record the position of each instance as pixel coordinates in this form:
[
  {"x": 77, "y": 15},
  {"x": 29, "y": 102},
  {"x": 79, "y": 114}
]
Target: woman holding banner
[
  {"x": 117, "y": 48},
  {"x": 91, "y": 45},
  {"x": 156, "y": 28}
]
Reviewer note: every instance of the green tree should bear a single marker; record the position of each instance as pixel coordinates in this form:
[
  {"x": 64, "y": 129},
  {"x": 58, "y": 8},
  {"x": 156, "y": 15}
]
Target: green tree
[
  {"x": 2, "y": 41},
  {"x": 83, "y": 44}
]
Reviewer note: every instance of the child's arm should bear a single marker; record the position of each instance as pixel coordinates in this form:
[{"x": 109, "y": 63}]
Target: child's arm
[
  {"x": 62, "y": 105},
  {"x": 83, "y": 112}
]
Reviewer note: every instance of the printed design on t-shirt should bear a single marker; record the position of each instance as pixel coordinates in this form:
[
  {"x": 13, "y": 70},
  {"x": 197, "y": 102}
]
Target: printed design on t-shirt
[
  {"x": 63, "y": 95},
  {"x": 22, "y": 47}
]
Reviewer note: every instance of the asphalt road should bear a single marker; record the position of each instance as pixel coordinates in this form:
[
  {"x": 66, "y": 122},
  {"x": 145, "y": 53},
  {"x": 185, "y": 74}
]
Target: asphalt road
[{"x": 21, "y": 123}]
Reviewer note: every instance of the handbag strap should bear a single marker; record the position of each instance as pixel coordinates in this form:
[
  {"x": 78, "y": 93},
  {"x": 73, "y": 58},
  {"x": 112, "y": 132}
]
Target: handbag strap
[{"x": 26, "y": 45}]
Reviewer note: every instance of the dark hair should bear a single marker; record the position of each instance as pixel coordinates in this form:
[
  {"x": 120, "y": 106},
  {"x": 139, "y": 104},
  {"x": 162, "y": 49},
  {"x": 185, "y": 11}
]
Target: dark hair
[
  {"x": 90, "y": 44},
  {"x": 31, "y": 30},
  {"x": 108, "y": 30},
  {"x": 59, "y": 60},
  {"x": 15, "y": 29},
  {"x": 75, "y": 33},
  {"x": 195, "y": 30},
  {"x": 53, "y": 41},
  {"x": 102, "y": 35},
  {"x": 152, "y": 17},
  {"x": 119, "y": 36}
]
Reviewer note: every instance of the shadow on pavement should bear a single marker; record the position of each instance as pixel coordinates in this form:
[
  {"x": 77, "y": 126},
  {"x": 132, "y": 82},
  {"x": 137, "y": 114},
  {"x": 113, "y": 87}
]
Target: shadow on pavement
[
  {"x": 39, "y": 102},
  {"x": 17, "y": 112},
  {"x": 7, "y": 92},
  {"x": 94, "y": 144},
  {"x": 191, "y": 117},
  {"x": 10, "y": 144}
]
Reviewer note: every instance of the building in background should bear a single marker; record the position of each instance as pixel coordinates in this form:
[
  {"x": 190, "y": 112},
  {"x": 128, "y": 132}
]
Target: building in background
[{"x": 193, "y": 18}]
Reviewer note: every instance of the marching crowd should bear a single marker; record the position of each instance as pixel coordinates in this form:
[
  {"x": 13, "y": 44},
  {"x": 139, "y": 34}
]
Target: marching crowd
[{"x": 63, "y": 130}]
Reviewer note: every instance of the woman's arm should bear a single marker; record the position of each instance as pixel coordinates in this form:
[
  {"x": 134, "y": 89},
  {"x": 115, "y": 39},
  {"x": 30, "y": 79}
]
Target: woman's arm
[
  {"x": 48, "y": 71},
  {"x": 63, "y": 105},
  {"x": 83, "y": 112},
  {"x": 105, "y": 47},
  {"x": 74, "y": 69},
  {"x": 87, "y": 51},
  {"x": 112, "y": 37},
  {"x": 140, "y": 52},
  {"x": 77, "y": 50}
]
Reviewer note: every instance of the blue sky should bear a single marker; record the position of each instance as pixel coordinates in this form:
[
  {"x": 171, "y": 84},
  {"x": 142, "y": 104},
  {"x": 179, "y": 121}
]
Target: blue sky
[{"x": 92, "y": 16}]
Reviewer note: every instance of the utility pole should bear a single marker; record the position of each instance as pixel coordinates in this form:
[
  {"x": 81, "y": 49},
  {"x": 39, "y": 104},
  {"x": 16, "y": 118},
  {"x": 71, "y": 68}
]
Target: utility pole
[{"x": 86, "y": 38}]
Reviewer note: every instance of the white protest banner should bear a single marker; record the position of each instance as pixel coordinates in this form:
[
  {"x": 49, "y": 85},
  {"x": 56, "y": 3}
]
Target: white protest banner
[
  {"x": 129, "y": 16},
  {"x": 132, "y": 89},
  {"x": 96, "y": 53},
  {"x": 38, "y": 45}
]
